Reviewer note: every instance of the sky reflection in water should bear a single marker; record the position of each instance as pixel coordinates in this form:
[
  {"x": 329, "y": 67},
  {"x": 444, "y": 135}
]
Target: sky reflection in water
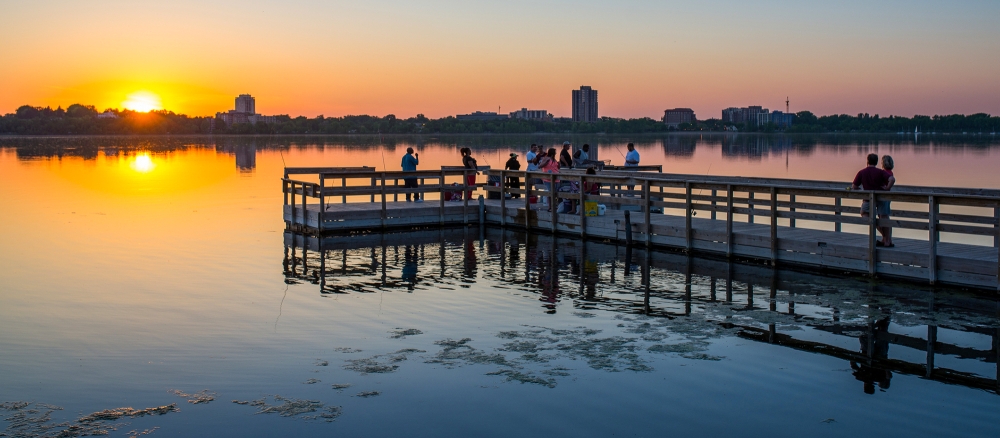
[{"x": 120, "y": 286}]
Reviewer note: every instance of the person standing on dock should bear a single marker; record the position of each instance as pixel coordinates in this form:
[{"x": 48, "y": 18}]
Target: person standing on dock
[
  {"x": 632, "y": 157},
  {"x": 513, "y": 182},
  {"x": 631, "y": 160},
  {"x": 877, "y": 180},
  {"x": 409, "y": 164},
  {"x": 883, "y": 206},
  {"x": 566, "y": 157},
  {"x": 532, "y": 157},
  {"x": 469, "y": 163}
]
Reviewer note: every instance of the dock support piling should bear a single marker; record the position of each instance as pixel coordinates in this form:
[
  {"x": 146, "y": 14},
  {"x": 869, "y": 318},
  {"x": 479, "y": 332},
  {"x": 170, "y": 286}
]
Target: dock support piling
[
  {"x": 628, "y": 228},
  {"x": 482, "y": 212}
]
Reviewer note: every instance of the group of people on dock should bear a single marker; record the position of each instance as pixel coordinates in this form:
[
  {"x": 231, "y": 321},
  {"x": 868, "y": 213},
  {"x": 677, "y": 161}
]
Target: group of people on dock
[
  {"x": 549, "y": 161},
  {"x": 879, "y": 180}
]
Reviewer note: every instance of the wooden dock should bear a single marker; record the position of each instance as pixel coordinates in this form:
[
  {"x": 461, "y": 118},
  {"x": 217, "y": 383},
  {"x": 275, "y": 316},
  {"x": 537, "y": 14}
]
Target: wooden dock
[{"x": 947, "y": 235}]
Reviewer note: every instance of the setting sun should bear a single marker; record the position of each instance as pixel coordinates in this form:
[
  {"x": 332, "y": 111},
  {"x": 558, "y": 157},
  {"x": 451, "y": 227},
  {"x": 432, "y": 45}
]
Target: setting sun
[{"x": 142, "y": 101}]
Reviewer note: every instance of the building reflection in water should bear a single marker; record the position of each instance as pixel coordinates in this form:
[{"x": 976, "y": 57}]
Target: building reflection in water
[
  {"x": 243, "y": 149},
  {"x": 796, "y": 310}
]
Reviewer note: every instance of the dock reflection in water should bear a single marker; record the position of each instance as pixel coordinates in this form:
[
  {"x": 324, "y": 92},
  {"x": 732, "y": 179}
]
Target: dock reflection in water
[{"x": 878, "y": 328}]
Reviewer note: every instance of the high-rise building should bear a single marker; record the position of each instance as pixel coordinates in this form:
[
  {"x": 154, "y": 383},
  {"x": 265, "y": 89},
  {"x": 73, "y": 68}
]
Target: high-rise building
[
  {"x": 245, "y": 104},
  {"x": 751, "y": 115},
  {"x": 245, "y": 112},
  {"x": 585, "y": 104},
  {"x": 674, "y": 117}
]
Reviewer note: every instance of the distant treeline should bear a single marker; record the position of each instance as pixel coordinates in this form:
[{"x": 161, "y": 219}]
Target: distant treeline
[{"x": 83, "y": 120}]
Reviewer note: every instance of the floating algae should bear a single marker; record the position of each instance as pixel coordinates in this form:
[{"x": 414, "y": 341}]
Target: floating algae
[
  {"x": 321, "y": 363},
  {"x": 346, "y": 350},
  {"x": 584, "y": 314},
  {"x": 30, "y": 420},
  {"x": 135, "y": 433},
  {"x": 341, "y": 386},
  {"x": 311, "y": 382},
  {"x": 367, "y": 394},
  {"x": 518, "y": 376},
  {"x": 402, "y": 333},
  {"x": 201, "y": 397},
  {"x": 380, "y": 363},
  {"x": 458, "y": 352},
  {"x": 291, "y": 407}
]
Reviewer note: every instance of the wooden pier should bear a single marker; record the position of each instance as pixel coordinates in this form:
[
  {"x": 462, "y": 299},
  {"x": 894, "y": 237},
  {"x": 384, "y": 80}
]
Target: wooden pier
[{"x": 945, "y": 235}]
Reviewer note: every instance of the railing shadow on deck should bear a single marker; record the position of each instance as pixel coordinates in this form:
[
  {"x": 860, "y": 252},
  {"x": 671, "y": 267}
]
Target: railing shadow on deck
[{"x": 764, "y": 304}]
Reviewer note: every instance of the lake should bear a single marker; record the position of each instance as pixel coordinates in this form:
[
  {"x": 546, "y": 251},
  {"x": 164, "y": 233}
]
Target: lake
[{"x": 147, "y": 286}]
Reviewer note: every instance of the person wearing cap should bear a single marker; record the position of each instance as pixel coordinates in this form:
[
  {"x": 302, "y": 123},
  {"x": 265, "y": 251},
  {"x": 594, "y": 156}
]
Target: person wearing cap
[
  {"x": 409, "y": 164},
  {"x": 513, "y": 182},
  {"x": 566, "y": 157}
]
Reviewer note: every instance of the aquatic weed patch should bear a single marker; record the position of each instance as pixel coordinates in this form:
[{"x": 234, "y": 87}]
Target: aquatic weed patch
[
  {"x": 399, "y": 333},
  {"x": 380, "y": 363},
  {"x": 293, "y": 407},
  {"x": 31, "y": 420},
  {"x": 201, "y": 397}
]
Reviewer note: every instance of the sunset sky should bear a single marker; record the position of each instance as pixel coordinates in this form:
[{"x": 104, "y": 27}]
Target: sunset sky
[{"x": 440, "y": 57}]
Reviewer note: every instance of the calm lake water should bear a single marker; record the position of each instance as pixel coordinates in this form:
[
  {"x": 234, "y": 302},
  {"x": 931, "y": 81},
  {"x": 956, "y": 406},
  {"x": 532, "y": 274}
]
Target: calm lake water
[{"x": 140, "y": 273}]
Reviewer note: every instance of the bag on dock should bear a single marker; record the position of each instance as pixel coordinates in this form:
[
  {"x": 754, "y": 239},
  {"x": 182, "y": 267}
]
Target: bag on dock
[{"x": 590, "y": 208}]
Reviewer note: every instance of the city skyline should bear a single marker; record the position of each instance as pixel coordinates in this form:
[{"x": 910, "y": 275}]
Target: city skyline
[{"x": 440, "y": 58}]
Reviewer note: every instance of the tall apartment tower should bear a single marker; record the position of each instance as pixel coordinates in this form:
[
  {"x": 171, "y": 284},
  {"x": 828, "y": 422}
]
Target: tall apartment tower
[
  {"x": 585, "y": 104},
  {"x": 245, "y": 104}
]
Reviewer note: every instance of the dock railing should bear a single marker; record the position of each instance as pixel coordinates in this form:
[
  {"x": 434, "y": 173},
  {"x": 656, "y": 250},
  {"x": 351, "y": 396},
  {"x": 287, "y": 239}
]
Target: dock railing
[
  {"x": 326, "y": 184},
  {"x": 775, "y": 220}
]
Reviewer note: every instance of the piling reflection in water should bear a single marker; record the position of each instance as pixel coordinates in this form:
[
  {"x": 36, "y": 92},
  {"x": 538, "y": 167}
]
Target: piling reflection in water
[{"x": 852, "y": 319}]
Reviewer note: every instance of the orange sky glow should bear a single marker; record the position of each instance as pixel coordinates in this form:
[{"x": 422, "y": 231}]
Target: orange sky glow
[{"x": 443, "y": 57}]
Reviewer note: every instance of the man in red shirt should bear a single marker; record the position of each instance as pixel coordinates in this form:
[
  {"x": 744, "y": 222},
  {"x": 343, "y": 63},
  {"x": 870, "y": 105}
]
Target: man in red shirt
[{"x": 875, "y": 179}]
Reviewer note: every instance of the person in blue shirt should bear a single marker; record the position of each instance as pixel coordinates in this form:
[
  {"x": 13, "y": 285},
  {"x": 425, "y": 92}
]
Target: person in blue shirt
[{"x": 409, "y": 164}]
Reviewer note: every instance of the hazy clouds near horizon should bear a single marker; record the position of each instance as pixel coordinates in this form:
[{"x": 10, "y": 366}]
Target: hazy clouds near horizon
[{"x": 442, "y": 57}]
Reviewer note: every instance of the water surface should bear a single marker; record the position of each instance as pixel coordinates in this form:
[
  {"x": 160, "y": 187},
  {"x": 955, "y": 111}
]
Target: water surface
[{"x": 132, "y": 268}]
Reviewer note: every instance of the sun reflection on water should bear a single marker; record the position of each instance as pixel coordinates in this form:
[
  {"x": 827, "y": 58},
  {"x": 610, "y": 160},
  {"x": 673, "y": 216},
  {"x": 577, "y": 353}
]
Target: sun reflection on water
[{"x": 143, "y": 163}]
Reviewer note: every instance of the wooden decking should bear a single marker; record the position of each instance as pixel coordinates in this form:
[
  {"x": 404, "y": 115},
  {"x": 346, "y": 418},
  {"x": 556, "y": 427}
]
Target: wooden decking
[{"x": 716, "y": 217}]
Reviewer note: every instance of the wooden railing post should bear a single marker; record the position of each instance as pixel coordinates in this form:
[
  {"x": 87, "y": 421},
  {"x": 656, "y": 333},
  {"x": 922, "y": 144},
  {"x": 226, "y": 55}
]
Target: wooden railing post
[
  {"x": 553, "y": 202},
  {"x": 294, "y": 216},
  {"x": 837, "y": 204},
  {"x": 583, "y": 209},
  {"x": 305, "y": 209},
  {"x": 322, "y": 205},
  {"x": 373, "y": 186},
  {"x": 714, "y": 203},
  {"x": 647, "y": 206},
  {"x": 729, "y": 221},
  {"x": 791, "y": 209},
  {"x": 441, "y": 198},
  {"x": 872, "y": 223},
  {"x": 343, "y": 183},
  {"x": 996, "y": 244},
  {"x": 503, "y": 199},
  {"x": 395, "y": 192},
  {"x": 284, "y": 189},
  {"x": 750, "y": 194},
  {"x": 383, "y": 200},
  {"x": 465, "y": 196},
  {"x": 687, "y": 216},
  {"x": 774, "y": 226},
  {"x": 932, "y": 239},
  {"x": 528, "y": 185}
]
